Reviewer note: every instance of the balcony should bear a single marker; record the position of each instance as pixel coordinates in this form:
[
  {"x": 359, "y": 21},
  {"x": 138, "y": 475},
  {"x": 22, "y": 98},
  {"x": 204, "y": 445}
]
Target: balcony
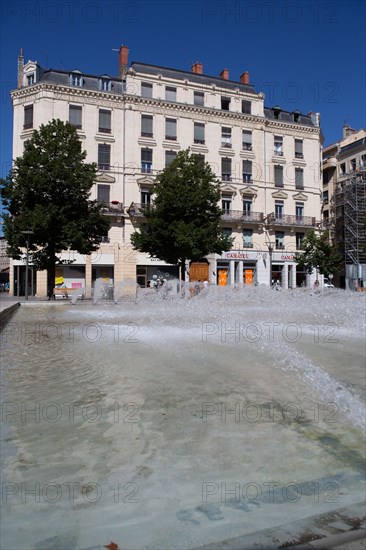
[
  {"x": 226, "y": 144},
  {"x": 280, "y": 246},
  {"x": 104, "y": 130},
  {"x": 199, "y": 141},
  {"x": 113, "y": 207},
  {"x": 299, "y": 156},
  {"x": 104, "y": 239},
  {"x": 240, "y": 216},
  {"x": 226, "y": 177},
  {"x": 247, "y": 147},
  {"x": 292, "y": 221},
  {"x": 135, "y": 210}
]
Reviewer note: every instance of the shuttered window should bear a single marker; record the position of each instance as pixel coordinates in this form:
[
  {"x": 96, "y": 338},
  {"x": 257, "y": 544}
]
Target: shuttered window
[
  {"x": 146, "y": 126},
  {"x": 75, "y": 114},
  {"x": 105, "y": 121},
  {"x": 28, "y": 116}
]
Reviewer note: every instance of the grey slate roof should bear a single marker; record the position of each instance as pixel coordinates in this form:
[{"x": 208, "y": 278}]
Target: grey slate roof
[
  {"x": 192, "y": 77},
  {"x": 91, "y": 82}
]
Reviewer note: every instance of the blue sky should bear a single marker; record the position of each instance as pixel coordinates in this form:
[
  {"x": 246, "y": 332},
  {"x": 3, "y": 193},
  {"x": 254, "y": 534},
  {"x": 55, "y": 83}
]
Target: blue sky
[{"x": 302, "y": 54}]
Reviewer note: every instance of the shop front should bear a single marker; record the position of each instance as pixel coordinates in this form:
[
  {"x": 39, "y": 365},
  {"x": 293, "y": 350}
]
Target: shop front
[
  {"x": 237, "y": 267},
  {"x": 148, "y": 269}
]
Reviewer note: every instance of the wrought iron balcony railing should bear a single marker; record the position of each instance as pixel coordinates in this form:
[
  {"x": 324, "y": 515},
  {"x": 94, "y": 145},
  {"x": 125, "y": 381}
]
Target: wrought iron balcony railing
[{"x": 239, "y": 215}]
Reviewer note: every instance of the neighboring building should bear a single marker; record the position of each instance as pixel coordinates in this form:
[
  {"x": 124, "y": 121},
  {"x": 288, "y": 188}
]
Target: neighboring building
[
  {"x": 344, "y": 204},
  {"x": 4, "y": 259},
  {"x": 268, "y": 162}
]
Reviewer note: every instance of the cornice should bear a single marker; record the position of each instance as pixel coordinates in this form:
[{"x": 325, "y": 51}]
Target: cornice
[{"x": 160, "y": 107}]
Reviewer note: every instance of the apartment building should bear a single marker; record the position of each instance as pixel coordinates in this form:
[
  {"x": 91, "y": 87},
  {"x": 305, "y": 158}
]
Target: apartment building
[
  {"x": 344, "y": 204},
  {"x": 268, "y": 162}
]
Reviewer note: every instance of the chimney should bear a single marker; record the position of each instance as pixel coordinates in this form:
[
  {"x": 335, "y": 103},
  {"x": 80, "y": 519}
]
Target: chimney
[
  {"x": 122, "y": 60},
  {"x": 197, "y": 68},
  {"x": 244, "y": 79},
  {"x": 20, "y": 68},
  {"x": 347, "y": 131},
  {"x": 224, "y": 74}
]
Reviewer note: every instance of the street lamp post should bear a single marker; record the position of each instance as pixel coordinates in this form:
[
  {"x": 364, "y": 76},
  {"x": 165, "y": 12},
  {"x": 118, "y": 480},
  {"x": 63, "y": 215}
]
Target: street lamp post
[
  {"x": 270, "y": 250},
  {"x": 26, "y": 236}
]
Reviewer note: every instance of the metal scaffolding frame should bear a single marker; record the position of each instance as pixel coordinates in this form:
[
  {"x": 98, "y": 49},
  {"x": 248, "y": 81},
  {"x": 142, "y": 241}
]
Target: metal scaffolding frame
[{"x": 350, "y": 210}]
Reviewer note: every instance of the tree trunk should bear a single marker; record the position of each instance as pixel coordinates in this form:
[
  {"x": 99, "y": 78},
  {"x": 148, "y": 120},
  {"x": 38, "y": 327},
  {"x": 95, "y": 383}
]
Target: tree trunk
[
  {"x": 182, "y": 275},
  {"x": 51, "y": 271}
]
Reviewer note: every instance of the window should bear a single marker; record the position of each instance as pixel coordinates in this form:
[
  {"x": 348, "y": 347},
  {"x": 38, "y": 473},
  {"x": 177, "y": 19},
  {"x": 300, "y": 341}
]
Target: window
[
  {"x": 225, "y": 103},
  {"x": 353, "y": 165},
  {"x": 342, "y": 168},
  {"x": 299, "y": 239},
  {"x": 278, "y": 173},
  {"x": 28, "y": 117},
  {"x": 30, "y": 79},
  {"x": 326, "y": 215},
  {"x": 169, "y": 157},
  {"x": 199, "y": 133},
  {"x": 171, "y": 129},
  {"x": 104, "y": 157},
  {"x": 246, "y": 107},
  {"x": 326, "y": 177},
  {"x": 278, "y": 146},
  {"x": 226, "y": 204},
  {"x": 247, "y": 140},
  {"x": 299, "y": 178},
  {"x": 298, "y": 149},
  {"x": 146, "y": 89},
  {"x": 280, "y": 240},
  {"x": 75, "y": 113},
  {"x": 299, "y": 209},
  {"x": 248, "y": 238},
  {"x": 146, "y": 161},
  {"x": 105, "y": 85},
  {"x": 170, "y": 93},
  {"x": 145, "y": 197},
  {"x": 247, "y": 207},
  {"x": 227, "y": 231},
  {"x": 105, "y": 121},
  {"x": 278, "y": 210},
  {"x": 325, "y": 197},
  {"x": 226, "y": 137},
  {"x": 103, "y": 193},
  {"x": 247, "y": 171},
  {"x": 198, "y": 98},
  {"x": 146, "y": 126},
  {"x": 226, "y": 169},
  {"x": 363, "y": 162},
  {"x": 76, "y": 79}
]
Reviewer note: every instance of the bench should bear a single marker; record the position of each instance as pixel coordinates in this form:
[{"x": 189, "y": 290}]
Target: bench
[{"x": 67, "y": 292}]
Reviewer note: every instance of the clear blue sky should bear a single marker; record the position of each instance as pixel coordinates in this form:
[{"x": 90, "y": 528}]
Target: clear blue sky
[{"x": 302, "y": 54}]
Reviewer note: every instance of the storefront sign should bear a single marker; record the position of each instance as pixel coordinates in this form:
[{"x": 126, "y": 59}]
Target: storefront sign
[
  {"x": 142, "y": 259},
  {"x": 239, "y": 255}
]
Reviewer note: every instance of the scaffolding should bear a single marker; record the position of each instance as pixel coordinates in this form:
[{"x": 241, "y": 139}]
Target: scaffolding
[{"x": 350, "y": 223}]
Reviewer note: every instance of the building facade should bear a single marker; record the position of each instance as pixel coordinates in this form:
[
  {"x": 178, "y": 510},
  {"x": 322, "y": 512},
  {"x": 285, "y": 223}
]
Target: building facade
[
  {"x": 267, "y": 160},
  {"x": 344, "y": 204}
]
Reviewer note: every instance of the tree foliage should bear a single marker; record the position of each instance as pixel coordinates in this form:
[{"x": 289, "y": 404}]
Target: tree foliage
[
  {"x": 318, "y": 253},
  {"x": 47, "y": 192},
  {"x": 184, "y": 221}
]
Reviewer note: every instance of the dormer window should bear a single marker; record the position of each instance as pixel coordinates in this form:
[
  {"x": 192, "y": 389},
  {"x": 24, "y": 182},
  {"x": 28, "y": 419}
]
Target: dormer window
[
  {"x": 105, "y": 84},
  {"x": 30, "y": 79},
  {"x": 76, "y": 79}
]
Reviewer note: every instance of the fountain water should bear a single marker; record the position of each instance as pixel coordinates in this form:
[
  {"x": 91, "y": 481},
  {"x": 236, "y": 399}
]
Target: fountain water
[{"x": 165, "y": 422}]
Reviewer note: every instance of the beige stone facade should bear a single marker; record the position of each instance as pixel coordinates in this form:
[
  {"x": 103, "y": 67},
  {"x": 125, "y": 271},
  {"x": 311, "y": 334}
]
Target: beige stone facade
[
  {"x": 344, "y": 204},
  {"x": 268, "y": 162}
]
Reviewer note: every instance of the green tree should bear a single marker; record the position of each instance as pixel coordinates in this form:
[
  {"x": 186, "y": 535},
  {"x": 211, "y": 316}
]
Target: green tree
[
  {"x": 184, "y": 221},
  {"x": 47, "y": 192},
  {"x": 317, "y": 253}
]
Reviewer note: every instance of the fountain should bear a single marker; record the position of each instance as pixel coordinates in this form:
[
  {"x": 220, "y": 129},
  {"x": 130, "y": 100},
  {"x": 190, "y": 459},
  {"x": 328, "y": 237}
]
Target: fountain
[{"x": 162, "y": 422}]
